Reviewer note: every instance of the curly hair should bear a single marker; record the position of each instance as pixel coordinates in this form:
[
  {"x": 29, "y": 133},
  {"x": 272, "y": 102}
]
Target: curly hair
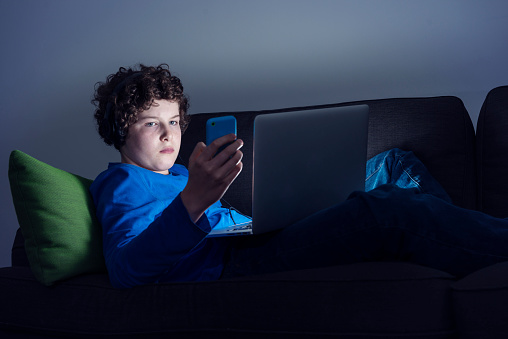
[{"x": 129, "y": 92}]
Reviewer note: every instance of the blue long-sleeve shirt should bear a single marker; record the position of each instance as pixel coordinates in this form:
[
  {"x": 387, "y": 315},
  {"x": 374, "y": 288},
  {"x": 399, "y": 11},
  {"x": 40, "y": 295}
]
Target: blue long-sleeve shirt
[{"x": 147, "y": 233}]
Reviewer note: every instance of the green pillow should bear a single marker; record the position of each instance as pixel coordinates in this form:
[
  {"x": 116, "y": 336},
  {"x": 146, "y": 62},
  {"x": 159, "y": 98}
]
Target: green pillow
[{"x": 57, "y": 218}]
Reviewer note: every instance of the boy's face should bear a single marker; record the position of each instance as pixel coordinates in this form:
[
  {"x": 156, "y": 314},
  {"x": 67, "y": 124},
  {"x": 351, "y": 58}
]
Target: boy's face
[{"x": 153, "y": 142}]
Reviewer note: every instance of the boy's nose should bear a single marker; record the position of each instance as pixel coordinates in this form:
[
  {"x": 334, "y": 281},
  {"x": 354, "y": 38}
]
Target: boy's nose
[{"x": 165, "y": 135}]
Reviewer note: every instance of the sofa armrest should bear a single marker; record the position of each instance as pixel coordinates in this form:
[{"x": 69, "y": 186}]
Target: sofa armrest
[
  {"x": 18, "y": 254},
  {"x": 492, "y": 151}
]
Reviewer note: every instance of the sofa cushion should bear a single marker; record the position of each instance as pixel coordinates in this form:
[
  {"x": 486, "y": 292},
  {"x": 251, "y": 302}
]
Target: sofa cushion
[
  {"x": 437, "y": 129},
  {"x": 57, "y": 218},
  {"x": 365, "y": 300},
  {"x": 480, "y": 303},
  {"x": 492, "y": 151}
]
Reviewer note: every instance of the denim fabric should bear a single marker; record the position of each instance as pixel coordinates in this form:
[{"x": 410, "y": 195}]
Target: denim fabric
[
  {"x": 415, "y": 223},
  {"x": 404, "y": 170}
]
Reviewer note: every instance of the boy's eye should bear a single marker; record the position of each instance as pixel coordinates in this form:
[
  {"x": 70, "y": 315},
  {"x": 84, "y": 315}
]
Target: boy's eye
[
  {"x": 150, "y": 124},
  {"x": 173, "y": 123}
]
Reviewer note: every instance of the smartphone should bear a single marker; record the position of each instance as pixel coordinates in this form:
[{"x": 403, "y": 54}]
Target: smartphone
[{"x": 218, "y": 127}]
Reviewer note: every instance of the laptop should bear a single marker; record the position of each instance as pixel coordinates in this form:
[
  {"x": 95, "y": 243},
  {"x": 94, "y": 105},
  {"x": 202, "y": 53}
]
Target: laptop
[{"x": 303, "y": 162}]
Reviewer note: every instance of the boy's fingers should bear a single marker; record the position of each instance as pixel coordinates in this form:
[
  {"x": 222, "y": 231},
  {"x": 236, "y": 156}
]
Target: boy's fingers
[
  {"x": 228, "y": 152},
  {"x": 218, "y": 143},
  {"x": 229, "y": 166},
  {"x": 234, "y": 173}
]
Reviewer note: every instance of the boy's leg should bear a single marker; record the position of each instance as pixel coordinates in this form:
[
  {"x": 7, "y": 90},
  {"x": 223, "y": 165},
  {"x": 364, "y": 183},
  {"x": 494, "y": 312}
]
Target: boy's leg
[
  {"x": 404, "y": 170},
  {"x": 386, "y": 224}
]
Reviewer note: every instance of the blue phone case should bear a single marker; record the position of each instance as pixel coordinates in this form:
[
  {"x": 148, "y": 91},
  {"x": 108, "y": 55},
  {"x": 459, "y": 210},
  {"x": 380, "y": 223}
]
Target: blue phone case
[{"x": 217, "y": 127}]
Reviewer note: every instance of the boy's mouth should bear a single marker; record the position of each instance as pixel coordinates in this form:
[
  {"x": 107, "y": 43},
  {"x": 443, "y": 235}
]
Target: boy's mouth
[{"x": 168, "y": 150}]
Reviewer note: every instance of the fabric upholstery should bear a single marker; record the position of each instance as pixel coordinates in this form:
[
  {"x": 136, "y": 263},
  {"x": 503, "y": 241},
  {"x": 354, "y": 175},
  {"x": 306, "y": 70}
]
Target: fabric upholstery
[
  {"x": 480, "y": 303},
  {"x": 57, "y": 218},
  {"x": 381, "y": 300},
  {"x": 18, "y": 253},
  {"x": 492, "y": 151}
]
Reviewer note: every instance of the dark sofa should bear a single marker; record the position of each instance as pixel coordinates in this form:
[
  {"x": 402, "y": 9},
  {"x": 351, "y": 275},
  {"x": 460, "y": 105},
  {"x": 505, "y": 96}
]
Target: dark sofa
[{"x": 363, "y": 300}]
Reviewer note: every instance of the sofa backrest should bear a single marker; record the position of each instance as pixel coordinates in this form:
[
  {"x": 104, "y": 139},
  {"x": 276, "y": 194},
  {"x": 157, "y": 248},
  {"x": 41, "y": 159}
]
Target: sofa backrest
[
  {"x": 492, "y": 153},
  {"x": 437, "y": 129}
]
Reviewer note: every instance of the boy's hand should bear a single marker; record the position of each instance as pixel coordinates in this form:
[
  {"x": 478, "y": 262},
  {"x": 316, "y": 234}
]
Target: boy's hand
[{"x": 209, "y": 176}]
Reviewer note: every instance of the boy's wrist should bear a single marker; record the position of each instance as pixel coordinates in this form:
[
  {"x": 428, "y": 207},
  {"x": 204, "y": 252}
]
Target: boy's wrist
[{"x": 194, "y": 211}]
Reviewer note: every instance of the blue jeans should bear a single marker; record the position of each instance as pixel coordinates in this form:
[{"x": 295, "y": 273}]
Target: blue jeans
[
  {"x": 404, "y": 215},
  {"x": 402, "y": 169}
]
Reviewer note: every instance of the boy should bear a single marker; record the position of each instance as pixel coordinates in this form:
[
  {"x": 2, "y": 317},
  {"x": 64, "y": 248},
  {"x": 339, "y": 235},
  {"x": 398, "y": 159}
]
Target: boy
[{"x": 156, "y": 214}]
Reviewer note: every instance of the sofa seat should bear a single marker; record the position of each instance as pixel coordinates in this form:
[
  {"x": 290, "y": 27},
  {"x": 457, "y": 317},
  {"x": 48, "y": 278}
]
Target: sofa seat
[{"x": 382, "y": 300}]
